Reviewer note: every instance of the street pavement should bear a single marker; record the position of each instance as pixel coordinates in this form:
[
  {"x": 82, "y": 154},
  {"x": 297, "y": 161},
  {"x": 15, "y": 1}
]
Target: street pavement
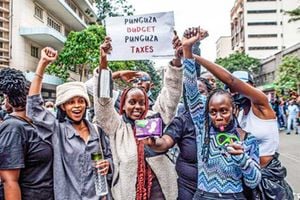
[{"x": 289, "y": 150}]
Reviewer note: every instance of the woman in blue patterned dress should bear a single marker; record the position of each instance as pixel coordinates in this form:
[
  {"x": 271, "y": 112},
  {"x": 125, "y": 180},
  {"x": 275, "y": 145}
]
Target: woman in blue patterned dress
[{"x": 228, "y": 157}]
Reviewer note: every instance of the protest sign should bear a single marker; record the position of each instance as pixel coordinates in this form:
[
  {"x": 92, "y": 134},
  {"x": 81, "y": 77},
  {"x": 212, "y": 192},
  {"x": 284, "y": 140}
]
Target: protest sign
[{"x": 141, "y": 37}]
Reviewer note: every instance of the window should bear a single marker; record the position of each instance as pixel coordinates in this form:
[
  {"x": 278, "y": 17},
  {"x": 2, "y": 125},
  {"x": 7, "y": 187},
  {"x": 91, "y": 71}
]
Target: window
[
  {"x": 1, "y": 44},
  {"x": 38, "y": 12},
  {"x": 53, "y": 24},
  {"x": 261, "y": 23},
  {"x": 72, "y": 5},
  {"x": 260, "y": 11},
  {"x": 263, "y": 48},
  {"x": 261, "y": 35},
  {"x": 1, "y": 24},
  {"x": 34, "y": 51}
]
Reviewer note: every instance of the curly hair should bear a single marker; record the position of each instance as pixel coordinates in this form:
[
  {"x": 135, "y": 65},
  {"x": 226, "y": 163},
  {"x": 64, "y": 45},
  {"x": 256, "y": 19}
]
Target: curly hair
[{"x": 15, "y": 86}]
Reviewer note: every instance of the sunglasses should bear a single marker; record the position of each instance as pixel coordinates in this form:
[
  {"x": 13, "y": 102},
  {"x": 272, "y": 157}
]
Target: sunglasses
[
  {"x": 225, "y": 139},
  {"x": 141, "y": 79},
  {"x": 50, "y": 106}
]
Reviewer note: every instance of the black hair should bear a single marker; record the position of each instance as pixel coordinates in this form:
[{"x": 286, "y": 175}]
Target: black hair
[
  {"x": 15, "y": 86},
  {"x": 205, "y": 148},
  {"x": 207, "y": 84}
]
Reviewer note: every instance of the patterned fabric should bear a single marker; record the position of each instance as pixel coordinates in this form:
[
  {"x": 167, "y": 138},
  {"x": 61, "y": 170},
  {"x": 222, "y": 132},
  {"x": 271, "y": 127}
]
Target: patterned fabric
[
  {"x": 144, "y": 173},
  {"x": 222, "y": 172}
]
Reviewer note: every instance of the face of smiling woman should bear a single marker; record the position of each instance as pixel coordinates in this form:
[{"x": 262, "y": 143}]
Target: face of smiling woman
[
  {"x": 135, "y": 104},
  {"x": 75, "y": 108}
]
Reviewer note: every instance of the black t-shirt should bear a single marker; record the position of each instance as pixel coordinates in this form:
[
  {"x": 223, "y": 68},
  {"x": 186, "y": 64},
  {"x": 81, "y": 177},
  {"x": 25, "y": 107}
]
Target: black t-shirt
[
  {"x": 22, "y": 148},
  {"x": 182, "y": 130}
]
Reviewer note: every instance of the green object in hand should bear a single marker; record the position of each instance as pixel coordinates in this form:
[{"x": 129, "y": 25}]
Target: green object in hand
[
  {"x": 97, "y": 156},
  {"x": 141, "y": 123},
  {"x": 225, "y": 139}
]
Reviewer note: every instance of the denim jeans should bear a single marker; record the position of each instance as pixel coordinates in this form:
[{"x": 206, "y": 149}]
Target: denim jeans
[
  {"x": 292, "y": 120},
  {"x": 202, "y": 195}
]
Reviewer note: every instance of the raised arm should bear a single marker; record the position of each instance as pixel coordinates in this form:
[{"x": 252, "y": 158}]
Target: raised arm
[
  {"x": 48, "y": 55},
  {"x": 194, "y": 99},
  {"x": 35, "y": 110},
  {"x": 105, "y": 114},
  {"x": 170, "y": 94},
  {"x": 259, "y": 100}
]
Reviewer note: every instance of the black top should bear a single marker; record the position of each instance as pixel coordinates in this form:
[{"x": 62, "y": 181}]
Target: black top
[
  {"x": 182, "y": 131},
  {"x": 22, "y": 148}
]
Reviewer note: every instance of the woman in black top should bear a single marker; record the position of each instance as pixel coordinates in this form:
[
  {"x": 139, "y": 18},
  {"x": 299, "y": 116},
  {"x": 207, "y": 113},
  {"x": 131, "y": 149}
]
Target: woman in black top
[{"x": 25, "y": 159}]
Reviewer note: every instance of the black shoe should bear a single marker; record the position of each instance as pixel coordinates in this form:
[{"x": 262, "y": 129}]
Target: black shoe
[
  {"x": 288, "y": 133},
  {"x": 296, "y": 133}
]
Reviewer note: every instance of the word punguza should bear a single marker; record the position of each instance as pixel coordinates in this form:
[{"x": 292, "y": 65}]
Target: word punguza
[{"x": 143, "y": 30}]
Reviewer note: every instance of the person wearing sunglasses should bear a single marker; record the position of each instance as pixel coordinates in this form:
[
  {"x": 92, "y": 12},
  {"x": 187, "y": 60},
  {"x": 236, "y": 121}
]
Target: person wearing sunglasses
[{"x": 228, "y": 157}]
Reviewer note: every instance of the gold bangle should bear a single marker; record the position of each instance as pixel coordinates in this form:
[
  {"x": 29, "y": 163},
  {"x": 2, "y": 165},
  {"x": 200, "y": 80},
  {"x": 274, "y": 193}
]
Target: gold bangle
[{"x": 38, "y": 75}]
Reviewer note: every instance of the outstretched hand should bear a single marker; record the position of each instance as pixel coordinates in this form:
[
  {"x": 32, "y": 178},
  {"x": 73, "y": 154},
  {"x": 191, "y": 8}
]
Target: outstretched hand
[
  {"x": 126, "y": 75},
  {"x": 48, "y": 55}
]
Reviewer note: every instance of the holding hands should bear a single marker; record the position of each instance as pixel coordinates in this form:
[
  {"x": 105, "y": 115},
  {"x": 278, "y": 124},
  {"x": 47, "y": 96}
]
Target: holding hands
[{"x": 190, "y": 37}]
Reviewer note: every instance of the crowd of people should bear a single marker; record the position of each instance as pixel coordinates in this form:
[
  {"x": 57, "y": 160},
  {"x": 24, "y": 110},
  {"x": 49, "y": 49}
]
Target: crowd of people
[
  {"x": 288, "y": 113},
  {"x": 227, "y": 138}
]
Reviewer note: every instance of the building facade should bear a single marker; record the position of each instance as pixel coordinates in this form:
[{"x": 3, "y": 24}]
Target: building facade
[
  {"x": 269, "y": 69},
  {"x": 27, "y": 26},
  {"x": 224, "y": 46},
  {"x": 260, "y": 28}
]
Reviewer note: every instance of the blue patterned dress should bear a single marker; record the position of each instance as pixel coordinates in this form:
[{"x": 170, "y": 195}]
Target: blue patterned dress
[{"x": 222, "y": 173}]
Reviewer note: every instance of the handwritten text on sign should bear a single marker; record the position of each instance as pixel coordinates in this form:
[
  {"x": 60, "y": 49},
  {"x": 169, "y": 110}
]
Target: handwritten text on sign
[{"x": 141, "y": 37}]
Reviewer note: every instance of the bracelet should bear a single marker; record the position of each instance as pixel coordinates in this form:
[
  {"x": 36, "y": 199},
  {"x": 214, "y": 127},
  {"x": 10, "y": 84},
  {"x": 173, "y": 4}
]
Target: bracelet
[{"x": 38, "y": 75}]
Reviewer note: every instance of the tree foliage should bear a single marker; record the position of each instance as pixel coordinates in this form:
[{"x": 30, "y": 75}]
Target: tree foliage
[
  {"x": 80, "y": 50},
  {"x": 239, "y": 61},
  {"x": 288, "y": 74},
  {"x": 108, "y": 9},
  {"x": 294, "y": 14}
]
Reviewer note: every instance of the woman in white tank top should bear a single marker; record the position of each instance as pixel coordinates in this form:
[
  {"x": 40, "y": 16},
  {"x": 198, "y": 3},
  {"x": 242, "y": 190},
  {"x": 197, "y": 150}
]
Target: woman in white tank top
[{"x": 256, "y": 117}]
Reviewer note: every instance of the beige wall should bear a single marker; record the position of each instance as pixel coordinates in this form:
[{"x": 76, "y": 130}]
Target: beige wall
[
  {"x": 224, "y": 47},
  {"x": 24, "y": 16},
  {"x": 288, "y": 34}
]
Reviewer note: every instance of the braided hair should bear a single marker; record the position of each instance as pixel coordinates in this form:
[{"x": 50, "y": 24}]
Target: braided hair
[
  {"x": 208, "y": 88},
  {"x": 218, "y": 91},
  {"x": 123, "y": 100},
  {"x": 15, "y": 86}
]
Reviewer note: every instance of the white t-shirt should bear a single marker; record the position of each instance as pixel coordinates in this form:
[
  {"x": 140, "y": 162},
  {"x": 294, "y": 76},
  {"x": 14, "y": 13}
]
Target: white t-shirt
[
  {"x": 293, "y": 110},
  {"x": 265, "y": 131}
]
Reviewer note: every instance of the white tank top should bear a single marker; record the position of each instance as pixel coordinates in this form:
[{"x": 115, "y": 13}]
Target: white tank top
[{"x": 265, "y": 131}]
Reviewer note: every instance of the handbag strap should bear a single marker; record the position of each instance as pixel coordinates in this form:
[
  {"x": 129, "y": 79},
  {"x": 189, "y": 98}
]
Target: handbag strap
[{"x": 99, "y": 139}]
